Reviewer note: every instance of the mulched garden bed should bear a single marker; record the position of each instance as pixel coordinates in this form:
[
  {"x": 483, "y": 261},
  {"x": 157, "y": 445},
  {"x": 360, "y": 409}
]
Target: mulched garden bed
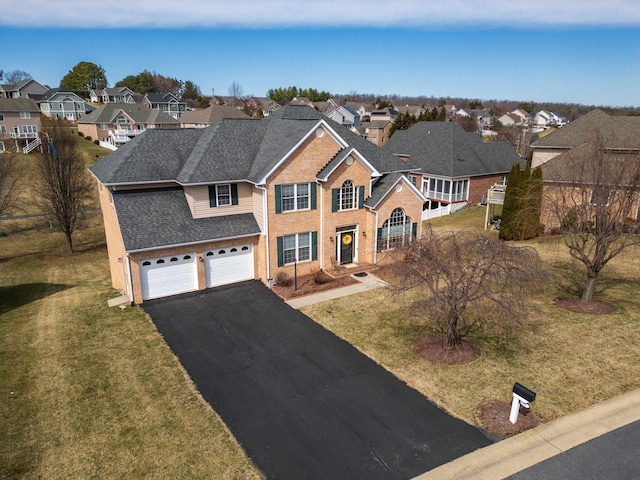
[
  {"x": 307, "y": 286},
  {"x": 493, "y": 416},
  {"x": 593, "y": 307},
  {"x": 432, "y": 349}
]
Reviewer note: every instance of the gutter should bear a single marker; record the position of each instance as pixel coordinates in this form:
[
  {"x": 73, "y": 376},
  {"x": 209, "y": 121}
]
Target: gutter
[{"x": 176, "y": 245}]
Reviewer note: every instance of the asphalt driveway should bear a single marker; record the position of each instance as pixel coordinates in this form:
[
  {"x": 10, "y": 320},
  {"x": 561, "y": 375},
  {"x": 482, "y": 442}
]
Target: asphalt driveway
[{"x": 303, "y": 403}]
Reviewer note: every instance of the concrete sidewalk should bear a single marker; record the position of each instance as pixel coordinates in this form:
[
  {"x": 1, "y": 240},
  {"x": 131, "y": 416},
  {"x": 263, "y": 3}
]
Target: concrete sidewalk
[
  {"x": 366, "y": 283},
  {"x": 519, "y": 452}
]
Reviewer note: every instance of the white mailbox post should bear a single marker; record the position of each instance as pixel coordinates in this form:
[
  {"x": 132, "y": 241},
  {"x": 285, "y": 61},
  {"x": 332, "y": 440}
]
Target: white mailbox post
[{"x": 521, "y": 396}]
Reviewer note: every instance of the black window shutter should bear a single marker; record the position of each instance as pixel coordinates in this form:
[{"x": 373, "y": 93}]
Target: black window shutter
[
  {"x": 212, "y": 196},
  {"x": 280, "y": 251},
  {"x": 234, "y": 194},
  {"x": 414, "y": 230},
  {"x": 335, "y": 195},
  {"x": 361, "y": 196},
  {"x": 312, "y": 187},
  {"x": 278, "y": 199},
  {"x": 314, "y": 245}
]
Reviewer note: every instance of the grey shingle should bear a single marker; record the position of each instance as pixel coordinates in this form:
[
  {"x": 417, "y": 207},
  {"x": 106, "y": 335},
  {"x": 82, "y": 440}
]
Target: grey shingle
[
  {"x": 613, "y": 131},
  {"x": 153, "y": 156},
  {"x": 445, "y": 149},
  {"x": 161, "y": 217}
]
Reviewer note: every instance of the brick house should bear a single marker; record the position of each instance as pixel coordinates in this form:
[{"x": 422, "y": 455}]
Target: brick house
[
  {"x": 569, "y": 155},
  {"x": 456, "y": 167},
  {"x": 189, "y": 209}
]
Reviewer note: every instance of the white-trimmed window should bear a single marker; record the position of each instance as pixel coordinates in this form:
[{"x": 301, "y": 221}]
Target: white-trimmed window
[
  {"x": 25, "y": 115},
  {"x": 3, "y": 129},
  {"x": 348, "y": 196},
  {"x": 396, "y": 231},
  {"x": 1, "y": 117},
  {"x": 104, "y": 126},
  {"x": 29, "y": 129},
  {"x": 294, "y": 197},
  {"x": 2, "y": 148},
  {"x": 223, "y": 195},
  {"x": 297, "y": 247},
  {"x": 600, "y": 198}
]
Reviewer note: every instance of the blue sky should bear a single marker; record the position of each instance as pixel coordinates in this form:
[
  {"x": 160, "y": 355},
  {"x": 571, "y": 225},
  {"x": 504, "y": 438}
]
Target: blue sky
[{"x": 557, "y": 51}]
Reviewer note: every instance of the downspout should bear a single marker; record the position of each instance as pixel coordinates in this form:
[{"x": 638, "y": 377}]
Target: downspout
[
  {"x": 320, "y": 242},
  {"x": 265, "y": 216},
  {"x": 127, "y": 265},
  {"x": 375, "y": 243}
]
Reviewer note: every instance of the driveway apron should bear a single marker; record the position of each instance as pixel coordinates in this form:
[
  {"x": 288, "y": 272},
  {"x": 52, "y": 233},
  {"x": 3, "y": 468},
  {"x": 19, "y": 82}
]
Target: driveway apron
[{"x": 303, "y": 403}]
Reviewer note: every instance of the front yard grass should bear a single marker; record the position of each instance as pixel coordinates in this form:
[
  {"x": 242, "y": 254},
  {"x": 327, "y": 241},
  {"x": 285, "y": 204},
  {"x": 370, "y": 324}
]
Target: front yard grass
[
  {"x": 571, "y": 360},
  {"x": 89, "y": 391}
]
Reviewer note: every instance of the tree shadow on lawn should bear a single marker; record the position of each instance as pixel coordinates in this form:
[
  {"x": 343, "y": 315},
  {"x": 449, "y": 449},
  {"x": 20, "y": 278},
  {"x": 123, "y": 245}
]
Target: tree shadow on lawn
[{"x": 15, "y": 296}]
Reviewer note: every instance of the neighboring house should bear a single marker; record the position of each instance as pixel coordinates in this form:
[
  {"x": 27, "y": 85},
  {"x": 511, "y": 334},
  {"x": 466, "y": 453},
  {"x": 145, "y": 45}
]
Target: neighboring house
[
  {"x": 269, "y": 106},
  {"x": 165, "y": 102},
  {"x": 250, "y": 199},
  {"x": 509, "y": 120},
  {"x": 360, "y": 108},
  {"x": 544, "y": 119},
  {"x": 377, "y": 131},
  {"x": 416, "y": 111},
  {"x": 560, "y": 153},
  {"x": 525, "y": 117},
  {"x": 118, "y": 95},
  {"x": 95, "y": 95},
  {"x": 461, "y": 112},
  {"x": 60, "y": 103},
  {"x": 450, "y": 111},
  {"x": 302, "y": 101},
  {"x": 456, "y": 167},
  {"x": 19, "y": 124},
  {"x": 617, "y": 133},
  {"x": 345, "y": 115},
  {"x": 483, "y": 119},
  {"x": 569, "y": 182},
  {"x": 386, "y": 113},
  {"x": 210, "y": 115},
  {"x": 114, "y": 124},
  {"x": 23, "y": 89}
]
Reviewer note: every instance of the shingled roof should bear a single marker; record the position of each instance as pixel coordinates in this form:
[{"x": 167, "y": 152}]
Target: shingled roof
[
  {"x": 231, "y": 150},
  {"x": 615, "y": 132},
  {"x": 139, "y": 114},
  {"x": 145, "y": 216},
  {"x": 211, "y": 114},
  {"x": 445, "y": 149}
]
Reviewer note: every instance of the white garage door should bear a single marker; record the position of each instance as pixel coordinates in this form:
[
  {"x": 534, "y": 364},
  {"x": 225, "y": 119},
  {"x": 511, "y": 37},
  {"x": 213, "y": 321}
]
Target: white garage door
[
  {"x": 228, "y": 265},
  {"x": 164, "y": 276}
]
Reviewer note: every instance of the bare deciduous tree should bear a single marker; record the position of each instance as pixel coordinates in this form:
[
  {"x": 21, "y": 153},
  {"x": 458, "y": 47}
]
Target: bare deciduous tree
[
  {"x": 62, "y": 184},
  {"x": 592, "y": 195},
  {"x": 16, "y": 76},
  {"x": 8, "y": 183},
  {"x": 235, "y": 91},
  {"x": 468, "y": 282}
]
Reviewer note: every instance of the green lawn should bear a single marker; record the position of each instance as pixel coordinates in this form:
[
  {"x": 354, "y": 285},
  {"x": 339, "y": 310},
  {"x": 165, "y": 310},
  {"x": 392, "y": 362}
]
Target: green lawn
[
  {"x": 90, "y": 391},
  {"x": 571, "y": 360}
]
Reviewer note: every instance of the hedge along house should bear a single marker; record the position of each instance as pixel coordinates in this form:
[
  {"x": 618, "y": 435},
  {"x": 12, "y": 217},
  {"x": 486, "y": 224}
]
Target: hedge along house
[{"x": 188, "y": 209}]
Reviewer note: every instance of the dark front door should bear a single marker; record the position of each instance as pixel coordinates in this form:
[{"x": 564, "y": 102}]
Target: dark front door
[{"x": 346, "y": 247}]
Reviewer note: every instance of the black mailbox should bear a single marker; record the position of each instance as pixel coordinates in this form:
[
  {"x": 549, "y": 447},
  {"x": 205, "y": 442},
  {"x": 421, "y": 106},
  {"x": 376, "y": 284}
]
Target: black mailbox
[{"x": 524, "y": 392}]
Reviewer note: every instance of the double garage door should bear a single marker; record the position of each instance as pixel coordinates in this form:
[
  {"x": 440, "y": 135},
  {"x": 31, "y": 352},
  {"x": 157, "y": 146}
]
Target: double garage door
[{"x": 163, "y": 276}]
